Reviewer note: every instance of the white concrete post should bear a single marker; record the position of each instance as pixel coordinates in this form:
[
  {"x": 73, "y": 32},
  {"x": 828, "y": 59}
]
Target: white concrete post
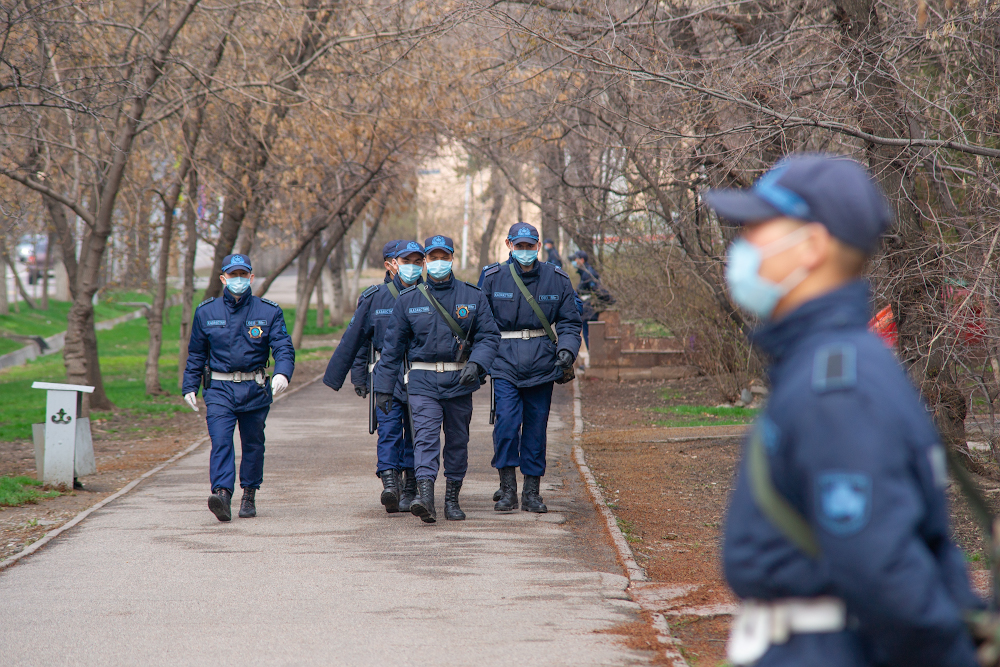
[{"x": 59, "y": 456}]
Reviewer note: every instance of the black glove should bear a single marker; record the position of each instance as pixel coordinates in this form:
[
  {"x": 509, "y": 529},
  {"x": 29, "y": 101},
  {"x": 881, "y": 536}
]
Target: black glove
[
  {"x": 564, "y": 359},
  {"x": 361, "y": 390},
  {"x": 383, "y": 402},
  {"x": 470, "y": 374}
]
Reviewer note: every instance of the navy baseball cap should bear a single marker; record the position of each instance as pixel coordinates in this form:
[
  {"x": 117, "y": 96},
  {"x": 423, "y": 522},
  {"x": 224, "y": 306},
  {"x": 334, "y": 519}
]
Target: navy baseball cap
[
  {"x": 438, "y": 241},
  {"x": 834, "y": 191},
  {"x": 404, "y": 248},
  {"x": 548, "y": 241},
  {"x": 579, "y": 254},
  {"x": 389, "y": 250},
  {"x": 522, "y": 231},
  {"x": 236, "y": 261}
]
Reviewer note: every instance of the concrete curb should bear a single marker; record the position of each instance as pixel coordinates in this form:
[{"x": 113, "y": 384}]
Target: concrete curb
[
  {"x": 48, "y": 537},
  {"x": 634, "y": 571}
]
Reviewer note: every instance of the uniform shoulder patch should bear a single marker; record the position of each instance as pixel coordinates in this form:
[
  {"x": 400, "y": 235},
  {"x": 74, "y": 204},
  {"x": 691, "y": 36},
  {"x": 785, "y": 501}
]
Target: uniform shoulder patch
[
  {"x": 408, "y": 289},
  {"x": 490, "y": 269},
  {"x": 835, "y": 367},
  {"x": 368, "y": 292},
  {"x": 561, "y": 272},
  {"x": 843, "y": 501},
  {"x": 473, "y": 286},
  {"x": 208, "y": 300},
  {"x": 269, "y": 302}
]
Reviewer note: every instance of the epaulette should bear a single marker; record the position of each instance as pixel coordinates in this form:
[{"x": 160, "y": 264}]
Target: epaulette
[
  {"x": 368, "y": 292},
  {"x": 491, "y": 269},
  {"x": 473, "y": 286},
  {"x": 408, "y": 289},
  {"x": 835, "y": 366},
  {"x": 561, "y": 272},
  {"x": 269, "y": 302},
  {"x": 208, "y": 300}
]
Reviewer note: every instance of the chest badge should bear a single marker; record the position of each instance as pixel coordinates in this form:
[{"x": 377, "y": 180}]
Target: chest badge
[
  {"x": 255, "y": 332},
  {"x": 462, "y": 312}
]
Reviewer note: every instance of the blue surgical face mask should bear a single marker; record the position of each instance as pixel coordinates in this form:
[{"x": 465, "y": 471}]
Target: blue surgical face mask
[
  {"x": 409, "y": 273},
  {"x": 751, "y": 292},
  {"x": 439, "y": 268},
  {"x": 525, "y": 257},
  {"x": 237, "y": 285}
]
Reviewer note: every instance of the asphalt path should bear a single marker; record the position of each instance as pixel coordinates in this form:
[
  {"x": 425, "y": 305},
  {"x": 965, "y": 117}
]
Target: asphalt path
[{"x": 323, "y": 576}]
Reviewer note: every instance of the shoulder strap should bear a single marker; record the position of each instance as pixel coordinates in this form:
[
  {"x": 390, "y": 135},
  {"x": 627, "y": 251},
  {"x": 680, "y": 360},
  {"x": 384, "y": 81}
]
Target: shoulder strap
[
  {"x": 452, "y": 324},
  {"x": 534, "y": 304},
  {"x": 392, "y": 290},
  {"x": 775, "y": 507}
]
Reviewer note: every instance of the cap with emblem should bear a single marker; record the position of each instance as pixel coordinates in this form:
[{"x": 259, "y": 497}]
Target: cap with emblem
[
  {"x": 548, "y": 242},
  {"x": 237, "y": 261},
  {"x": 579, "y": 254},
  {"x": 404, "y": 248},
  {"x": 389, "y": 249},
  {"x": 834, "y": 191},
  {"x": 522, "y": 231},
  {"x": 436, "y": 242}
]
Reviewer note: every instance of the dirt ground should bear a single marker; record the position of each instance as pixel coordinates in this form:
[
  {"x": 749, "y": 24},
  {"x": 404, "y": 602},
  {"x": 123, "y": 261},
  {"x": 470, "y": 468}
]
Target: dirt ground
[
  {"x": 125, "y": 447},
  {"x": 670, "y": 499}
]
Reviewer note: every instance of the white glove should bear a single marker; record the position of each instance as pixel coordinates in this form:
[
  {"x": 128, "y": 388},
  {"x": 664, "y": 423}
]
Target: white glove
[
  {"x": 279, "y": 383},
  {"x": 192, "y": 400}
]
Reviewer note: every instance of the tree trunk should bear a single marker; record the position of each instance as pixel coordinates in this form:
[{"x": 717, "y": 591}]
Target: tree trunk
[
  {"x": 49, "y": 247},
  {"x": 499, "y": 192},
  {"x": 17, "y": 281},
  {"x": 4, "y": 306},
  {"x": 154, "y": 317},
  {"x": 319, "y": 290},
  {"x": 187, "y": 292}
]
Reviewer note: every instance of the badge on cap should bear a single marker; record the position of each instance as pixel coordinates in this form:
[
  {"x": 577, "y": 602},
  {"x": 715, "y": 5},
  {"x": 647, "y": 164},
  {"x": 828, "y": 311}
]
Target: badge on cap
[
  {"x": 524, "y": 231},
  {"x": 438, "y": 240},
  {"x": 412, "y": 245},
  {"x": 237, "y": 259}
]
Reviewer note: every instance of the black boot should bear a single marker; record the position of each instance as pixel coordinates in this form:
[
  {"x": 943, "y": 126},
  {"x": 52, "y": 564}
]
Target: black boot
[
  {"x": 220, "y": 502},
  {"x": 452, "y": 511},
  {"x": 530, "y": 500},
  {"x": 248, "y": 508},
  {"x": 498, "y": 494},
  {"x": 390, "y": 490},
  {"x": 409, "y": 490},
  {"x": 508, "y": 489},
  {"x": 423, "y": 505}
]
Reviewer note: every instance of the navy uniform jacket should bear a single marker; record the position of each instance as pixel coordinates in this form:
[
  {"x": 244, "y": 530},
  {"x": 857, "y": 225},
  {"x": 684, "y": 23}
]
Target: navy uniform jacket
[
  {"x": 233, "y": 336},
  {"x": 554, "y": 258},
  {"x": 527, "y": 363},
  {"x": 418, "y": 331},
  {"x": 367, "y": 327},
  {"x": 852, "y": 448}
]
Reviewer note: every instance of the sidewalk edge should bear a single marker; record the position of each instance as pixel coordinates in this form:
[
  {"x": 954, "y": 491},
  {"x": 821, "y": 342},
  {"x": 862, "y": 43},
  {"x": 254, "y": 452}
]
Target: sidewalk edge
[{"x": 48, "y": 537}]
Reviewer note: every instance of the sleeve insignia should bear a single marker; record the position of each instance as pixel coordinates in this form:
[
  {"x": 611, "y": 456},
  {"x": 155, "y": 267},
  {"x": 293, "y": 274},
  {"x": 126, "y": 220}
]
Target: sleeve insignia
[
  {"x": 843, "y": 502},
  {"x": 835, "y": 366}
]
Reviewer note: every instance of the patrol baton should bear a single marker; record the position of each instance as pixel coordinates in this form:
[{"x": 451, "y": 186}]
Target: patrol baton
[
  {"x": 493, "y": 403},
  {"x": 372, "y": 415}
]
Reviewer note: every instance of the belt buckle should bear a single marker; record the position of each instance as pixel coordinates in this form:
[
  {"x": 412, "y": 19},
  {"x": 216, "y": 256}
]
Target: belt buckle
[
  {"x": 525, "y": 334},
  {"x": 439, "y": 366},
  {"x": 238, "y": 376}
]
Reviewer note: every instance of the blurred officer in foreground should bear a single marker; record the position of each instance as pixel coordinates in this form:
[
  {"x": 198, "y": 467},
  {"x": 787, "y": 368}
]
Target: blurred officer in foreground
[
  {"x": 552, "y": 254},
  {"x": 443, "y": 335},
  {"x": 837, "y": 537},
  {"x": 594, "y": 297},
  {"x": 534, "y": 306},
  {"x": 359, "y": 350},
  {"x": 231, "y": 339}
]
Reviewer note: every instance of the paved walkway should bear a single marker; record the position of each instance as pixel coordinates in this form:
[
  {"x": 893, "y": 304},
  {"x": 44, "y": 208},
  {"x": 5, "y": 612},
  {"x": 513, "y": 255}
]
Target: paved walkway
[{"x": 323, "y": 576}]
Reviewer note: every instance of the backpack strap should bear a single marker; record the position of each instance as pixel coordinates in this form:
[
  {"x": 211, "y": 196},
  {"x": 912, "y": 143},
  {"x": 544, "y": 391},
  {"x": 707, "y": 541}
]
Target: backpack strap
[
  {"x": 392, "y": 290},
  {"x": 534, "y": 304}
]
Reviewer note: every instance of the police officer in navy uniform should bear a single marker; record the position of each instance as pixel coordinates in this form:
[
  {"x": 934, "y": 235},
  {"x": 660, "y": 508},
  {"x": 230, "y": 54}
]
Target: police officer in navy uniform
[
  {"x": 444, "y": 367},
  {"x": 594, "y": 297},
  {"x": 528, "y": 362},
  {"x": 231, "y": 340},
  {"x": 837, "y": 538},
  {"x": 552, "y": 257},
  {"x": 404, "y": 262}
]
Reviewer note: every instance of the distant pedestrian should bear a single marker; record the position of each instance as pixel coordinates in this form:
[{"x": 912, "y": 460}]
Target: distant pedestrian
[
  {"x": 552, "y": 254},
  {"x": 444, "y": 338},
  {"x": 596, "y": 299},
  {"x": 837, "y": 537},
  {"x": 231, "y": 340}
]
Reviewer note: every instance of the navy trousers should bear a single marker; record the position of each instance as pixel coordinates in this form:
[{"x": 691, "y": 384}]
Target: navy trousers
[
  {"x": 222, "y": 422},
  {"x": 429, "y": 415},
  {"x": 521, "y": 423},
  {"x": 395, "y": 442}
]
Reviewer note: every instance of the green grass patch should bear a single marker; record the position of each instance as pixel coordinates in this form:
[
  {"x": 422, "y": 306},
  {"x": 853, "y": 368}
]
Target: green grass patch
[
  {"x": 16, "y": 491},
  {"x": 703, "y": 415},
  {"x": 651, "y": 329},
  {"x": 311, "y": 329},
  {"x": 123, "y": 365}
]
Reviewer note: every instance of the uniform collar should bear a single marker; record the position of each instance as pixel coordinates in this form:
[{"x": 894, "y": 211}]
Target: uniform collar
[
  {"x": 232, "y": 303},
  {"x": 521, "y": 270},
  {"x": 848, "y": 307},
  {"x": 444, "y": 284}
]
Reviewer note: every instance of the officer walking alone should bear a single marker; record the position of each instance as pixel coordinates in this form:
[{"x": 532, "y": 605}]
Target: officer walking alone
[
  {"x": 442, "y": 332},
  {"x": 535, "y": 308},
  {"x": 404, "y": 262},
  {"x": 837, "y": 537},
  {"x": 231, "y": 340}
]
